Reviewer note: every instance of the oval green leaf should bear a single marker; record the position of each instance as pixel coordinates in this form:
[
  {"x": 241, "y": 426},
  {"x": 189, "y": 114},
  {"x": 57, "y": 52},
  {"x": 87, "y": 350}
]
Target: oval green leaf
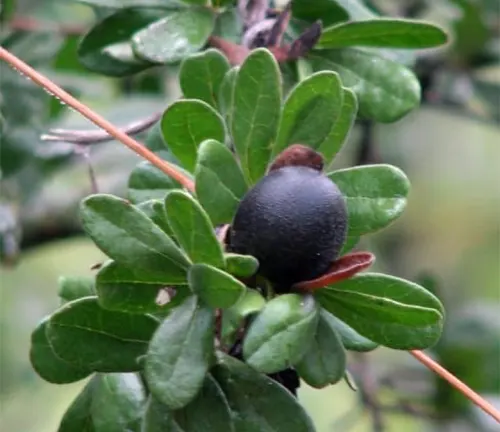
[
  {"x": 249, "y": 303},
  {"x": 350, "y": 338},
  {"x": 179, "y": 354},
  {"x": 48, "y": 364},
  {"x": 388, "y": 33},
  {"x": 78, "y": 417},
  {"x": 256, "y": 111},
  {"x": 309, "y": 112},
  {"x": 259, "y": 404},
  {"x": 72, "y": 288},
  {"x": 201, "y": 76},
  {"x": 193, "y": 229},
  {"x": 215, "y": 287},
  {"x": 388, "y": 310},
  {"x": 281, "y": 333},
  {"x": 155, "y": 210},
  {"x": 128, "y": 236},
  {"x": 242, "y": 266},
  {"x": 174, "y": 37},
  {"x": 158, "y": 417},
  {"x": 89, "y": 337},
  {"x": 325, "y": 361},
  {"x": 208, "y": 411},
  {"x": 107, "y": 47},
  {"x": 186, "y": 124},
  {"x": 328, "y": 11},
  {"x": 226, "y": 94},
  {"x": 339, "y": 132},
  {"x": 117, "y": 402},
  {"x": 116, "y": 291},
  {"x": 219, "y": 181},
  {"x": 386, "y": 90},
  {"x": 375, "y": 195}
]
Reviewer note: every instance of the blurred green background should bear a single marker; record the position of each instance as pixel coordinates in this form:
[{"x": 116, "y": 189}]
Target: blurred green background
[{"x": 450, "y": 230}]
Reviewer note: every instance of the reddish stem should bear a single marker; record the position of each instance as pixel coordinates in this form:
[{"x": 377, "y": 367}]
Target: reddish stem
[
  {"x": 343, "y": 268},
  {"x": 95, "y": 118},
  {"x": 455, "y": 382}
]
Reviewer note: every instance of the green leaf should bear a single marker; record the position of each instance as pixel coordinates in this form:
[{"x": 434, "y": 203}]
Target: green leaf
[
  {"x": 259, "y": 404},
  {"x": 107, "y": 48},
  {"x": 140, "y": 275},
  {"x": 241, "y": 266},
  {"x": 116, "y": 291},
  {"x": 147, "y": 182},
  {"x": 325, "y": 361},
  {"x": 356, "y": 9},
  {"x": 215, "y": 287},
  {"x": 78, "y": 417},
  {"x": 309, "y": 113},
  {"x": 174, "y": 37},
  {"x": 343, "y": 124},
  {"x": 72, "y": 288},
  {"x": 193, "y": 229},
  {"x": 390, "y": 33},
  {"x": 281, "y": 333},
  {"x": 350, "y": 243},
  {"x": 118, "y": 403},
  {"x": 83, "y": 334},
  {"x": 129, "y": 237},
  {"x": 155, "y": 210},
  {"x": 158, "y": 418},
  {"x": 386, "y": 90},
  {"x": 351, "y": 339},
  {"x": 249, "y": 303},
  {"x": 46, "y": 362},
  {"x": 154, "y": 141},
  {"x": 180, "y": 353},
  {"x": 255, "y": 116},
  {"x": 209, "y": 411},
  {"x": 186, "y": 124},
  {"x": 388, "y": 310},
  {"x": 375, "y": 195},
  {"x": 226, "y": 94},
  {"x": 219, "y": 181},
  {"x": 201, "y": 76},
  {"x": 229, "y": 24},
  {"x": 328, "y": 11}
]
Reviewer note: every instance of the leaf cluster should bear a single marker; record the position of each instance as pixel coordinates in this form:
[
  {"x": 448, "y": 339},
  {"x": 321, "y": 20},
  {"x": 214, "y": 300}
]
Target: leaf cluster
[{"x": 155, "y": 328}]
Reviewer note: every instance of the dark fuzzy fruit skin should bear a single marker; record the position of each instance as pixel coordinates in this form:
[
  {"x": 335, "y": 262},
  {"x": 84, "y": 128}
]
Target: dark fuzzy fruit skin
[{"x": 294, "y": 221}]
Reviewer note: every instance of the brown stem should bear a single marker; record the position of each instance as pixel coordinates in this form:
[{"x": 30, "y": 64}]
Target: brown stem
[
  {"x": 89, "y": 137},
  {"x": 455, "y": 382},
  {"x": 112, "y": 130}
]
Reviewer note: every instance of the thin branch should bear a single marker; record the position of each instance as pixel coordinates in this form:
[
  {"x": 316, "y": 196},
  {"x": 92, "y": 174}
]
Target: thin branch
[
  {"x": 459, "y": 385},
  {"x": 89, "y": 137},
  {"x": 33, "y": 25},
  {"x": 112, "y": 130}
]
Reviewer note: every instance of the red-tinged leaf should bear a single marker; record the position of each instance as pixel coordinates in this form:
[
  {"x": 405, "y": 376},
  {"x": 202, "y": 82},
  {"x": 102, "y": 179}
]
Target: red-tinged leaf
[{"x": 341, "y": 269}]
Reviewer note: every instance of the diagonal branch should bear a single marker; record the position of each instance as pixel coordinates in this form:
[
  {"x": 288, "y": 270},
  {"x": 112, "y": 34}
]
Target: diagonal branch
[
  {"x": 455, "y": 382},
  {"x": 95, "y": 118}
]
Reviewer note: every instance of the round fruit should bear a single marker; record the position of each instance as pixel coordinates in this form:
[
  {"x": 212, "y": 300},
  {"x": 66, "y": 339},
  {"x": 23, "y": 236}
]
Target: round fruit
[{"x": 294, "y": 221}]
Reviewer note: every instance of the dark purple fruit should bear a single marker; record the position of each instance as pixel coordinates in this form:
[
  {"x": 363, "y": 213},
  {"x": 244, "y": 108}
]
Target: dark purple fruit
[{"x": 294, "y": 221}]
